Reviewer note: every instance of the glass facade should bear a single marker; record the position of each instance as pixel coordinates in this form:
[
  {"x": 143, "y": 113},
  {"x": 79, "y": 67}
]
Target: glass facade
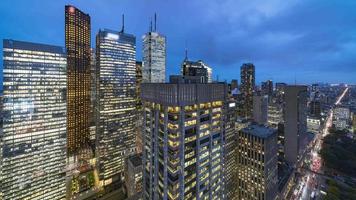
[
  {"x": 154, "y": 58},
  {"x": 247, "y": 89},
  {"x": 183, "y": 132},
  {"x": 116, "y": 102},
  {"x": 77, "y": 38},
  {"x": 34, "y": 123}
]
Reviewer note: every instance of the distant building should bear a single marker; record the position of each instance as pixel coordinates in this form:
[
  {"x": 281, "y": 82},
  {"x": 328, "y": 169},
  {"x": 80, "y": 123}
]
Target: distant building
[
  {"x": 295, "y": 119},
  {"x": 315, "y": 108},
  {"x": 257, "y": 163},
  {"x": 275, "y": 114},
  {"x": 313, "y": 124},
  {"x": 267, "y": 88},
  {"x": 247, "y": 88},
  {"x": 342, "y": 116},
  {"x": 260, "y": 108},
  {"x": 197, "y": 68},
  {"x": 116, "y": 102},
  {"x": 354, "y": 122},
  {"x": 183, "y": 154},
  {"x": 154, "y": 57},
  {"x": 133, "y": 175},
  {"x": 234, "y": 87},
  {"x": 34, "y": 123}
]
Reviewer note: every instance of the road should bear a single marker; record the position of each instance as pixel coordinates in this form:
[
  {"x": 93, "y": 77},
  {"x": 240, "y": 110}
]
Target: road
[{"x": 309, "y": 184}]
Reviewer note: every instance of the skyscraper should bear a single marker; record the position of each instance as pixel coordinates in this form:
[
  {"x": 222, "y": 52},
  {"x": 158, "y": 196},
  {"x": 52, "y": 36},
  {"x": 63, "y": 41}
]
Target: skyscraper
[
  {"x": 295, "y": 118},
  {"x": 139, "y": 143},
  {"x": 183, "y": 138},
  {"x": 247, "y": 88},
  {"x": 260, "y": 108},
  {"x": 197, "y": 68},
  {"x": 230, "y": 150},
  {"x": 77, "y": 39},
  {"x": 154, "y": 57},
  {"x": 34, "y": 123},
  {"x": 267, "y": 88},
  {"x": 116, "y": 117},
  {"x": 257, "y": 163}
]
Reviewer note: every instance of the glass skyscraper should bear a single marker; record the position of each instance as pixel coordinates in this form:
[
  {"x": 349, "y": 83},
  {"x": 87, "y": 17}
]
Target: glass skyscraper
[
  {"x": 116, "y": 102},
  {"x": 154, "y": 58},
  {"x": 247, "y": 88},
  {"x": 77, "y": 38},
  {"x": 34, "y": 122}
]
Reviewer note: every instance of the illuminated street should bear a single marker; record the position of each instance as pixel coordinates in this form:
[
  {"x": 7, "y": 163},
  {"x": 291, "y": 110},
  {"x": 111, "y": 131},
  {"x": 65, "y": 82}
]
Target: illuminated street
[{"x": 309, "y": 185}]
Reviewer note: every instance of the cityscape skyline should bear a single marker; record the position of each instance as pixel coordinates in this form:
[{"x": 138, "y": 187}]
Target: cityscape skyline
[{"x": 265, "y": 37}]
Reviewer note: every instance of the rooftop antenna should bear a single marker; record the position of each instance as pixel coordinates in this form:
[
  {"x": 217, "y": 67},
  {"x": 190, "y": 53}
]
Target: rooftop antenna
[
  {"x": 151, "y": 25},
  {"x": 123, "y": 23},
  {"x": 155, "y": 22},
  {"x": 186, "y": 51},
  {"x": 295, "y": 79}
]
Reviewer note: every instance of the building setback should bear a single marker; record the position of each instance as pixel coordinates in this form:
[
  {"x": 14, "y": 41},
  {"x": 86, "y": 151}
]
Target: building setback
[
  {"x": 34, "y": 121},
  {"x": 257, "y": 163},
  {"x": 247, "y": 89},
  {"x": 77, "y": 39},
  {"x": 295, "y": 118},
  {"x": 183, "y": 139},
  {"x": 154, "y": 57},
  {"x": 116, "y": 102}
]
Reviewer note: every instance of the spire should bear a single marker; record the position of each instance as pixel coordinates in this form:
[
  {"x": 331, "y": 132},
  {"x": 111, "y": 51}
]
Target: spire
[
  {"x": 155, "y": 22},
  {"x": 123, "y": 23},
  {"x": 186, "y": 54}
]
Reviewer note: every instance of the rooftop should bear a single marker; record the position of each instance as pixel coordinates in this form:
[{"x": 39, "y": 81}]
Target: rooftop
[
  {"x": 259, "y": 130},
  {"x": 136, "y": 160}
]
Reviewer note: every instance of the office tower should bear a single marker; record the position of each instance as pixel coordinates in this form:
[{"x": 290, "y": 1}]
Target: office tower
[
  {"x": 116, "y": 112},
  {"x": 133, "y": 175},
  {"x": 260, "y": 108},
  {"x": 280, "y": 88},
  {"x": 230, "y": 147},
  {"x": 139, "y": 143},
  {"x": 267, "y": 88},
  {"x": 257, "y": 163},
  {"x": 315, "y": 108},
  {"x": 93, "y": 92},
  {"x": 196, "y": 68},
  {"x": 34, "y": 123},
  {"x": 77, "y": 39},
  {"x": 247, "y": 88},
  {"x": 354, "y": 122},
  {"x": 295, "y": 120},
  {"x": 183, "y": 138},
  {"x": 275, "y": 114},
  {"x": 154, "y": 56}
]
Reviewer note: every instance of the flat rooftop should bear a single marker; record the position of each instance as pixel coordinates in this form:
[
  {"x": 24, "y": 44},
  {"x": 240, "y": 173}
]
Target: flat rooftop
[
  {"x": 259, "y": 130},
  {"x": 136, "y": 159}
]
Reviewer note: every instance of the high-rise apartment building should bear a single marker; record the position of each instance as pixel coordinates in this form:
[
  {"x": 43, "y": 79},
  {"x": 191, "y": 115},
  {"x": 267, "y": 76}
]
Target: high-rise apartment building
[
  {"x": 154, "y": 57},
  {"x": 260, "y": 108},
  {"x": 295, "y": 118},
  {"x": 183, "y": 139},
  {"x": 77, "y": 39},
  {"x": 247, "y": 88},
  {"x": 197, "y": 68},
  {"x": 116, "y": 102},
  {"x": 34, "y": 121},
  {"x": 257, "y": 163}
]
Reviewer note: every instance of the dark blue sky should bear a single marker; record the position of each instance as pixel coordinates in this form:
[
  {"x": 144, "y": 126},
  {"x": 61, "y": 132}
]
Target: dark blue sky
[{"x": 310, "y": 40}]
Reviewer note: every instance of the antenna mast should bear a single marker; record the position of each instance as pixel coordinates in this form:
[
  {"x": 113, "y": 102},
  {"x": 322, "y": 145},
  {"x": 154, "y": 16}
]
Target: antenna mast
[
  {"x": 155, "y": 22},
  {"x": 123, "y": 23}
]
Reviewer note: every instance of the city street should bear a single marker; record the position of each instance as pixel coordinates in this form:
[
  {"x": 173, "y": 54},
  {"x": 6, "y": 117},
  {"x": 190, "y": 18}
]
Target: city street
[{"x": 309, "y": 185}]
